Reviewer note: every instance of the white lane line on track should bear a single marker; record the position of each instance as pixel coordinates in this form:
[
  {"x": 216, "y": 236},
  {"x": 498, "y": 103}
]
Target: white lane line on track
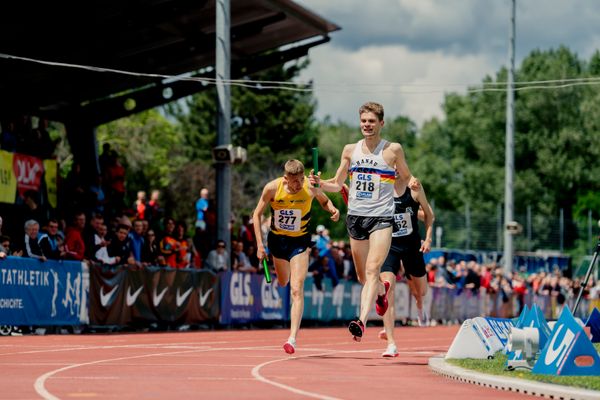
[
  {"x": 40, "y": 382},
  {"x": 39, "y": 385},
  {"x": 256, "y": 374}
]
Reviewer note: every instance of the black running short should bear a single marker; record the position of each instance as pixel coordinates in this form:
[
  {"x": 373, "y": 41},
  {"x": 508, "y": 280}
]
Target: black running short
[
  {"x": 411, "y": 257},
  {"x": 287, "y": 247},
  {"x": 360, "y": 228}
]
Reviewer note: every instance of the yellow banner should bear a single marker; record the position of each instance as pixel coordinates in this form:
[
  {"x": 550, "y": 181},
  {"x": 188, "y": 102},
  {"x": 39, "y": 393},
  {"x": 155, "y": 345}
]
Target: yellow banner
[
  {"x": 8, "y": 182},
  {"x": 50, "y": 168}
]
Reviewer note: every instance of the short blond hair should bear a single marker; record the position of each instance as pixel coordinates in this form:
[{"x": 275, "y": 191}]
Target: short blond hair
[
  {"x": 373, "y": 107},
  {"x": 293, "y": 167}
]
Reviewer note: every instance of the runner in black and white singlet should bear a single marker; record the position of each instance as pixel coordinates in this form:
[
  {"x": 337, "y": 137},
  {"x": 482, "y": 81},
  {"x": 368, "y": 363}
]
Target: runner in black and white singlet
[
  {"x": 290, "y": 200},
  {"x": 408, "y": 249},
  {"x": 370, "y": 163}
]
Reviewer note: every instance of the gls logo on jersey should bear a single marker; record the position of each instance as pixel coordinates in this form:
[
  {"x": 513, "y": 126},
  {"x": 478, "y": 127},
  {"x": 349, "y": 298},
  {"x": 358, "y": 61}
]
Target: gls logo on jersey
[
  {"x": 239, "y": 290},
  {"x": 270, "y": 296}
]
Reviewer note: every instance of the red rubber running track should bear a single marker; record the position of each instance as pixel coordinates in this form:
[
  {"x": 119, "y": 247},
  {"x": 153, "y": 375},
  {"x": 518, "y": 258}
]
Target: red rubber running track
[{"x": 244, "y": 364}]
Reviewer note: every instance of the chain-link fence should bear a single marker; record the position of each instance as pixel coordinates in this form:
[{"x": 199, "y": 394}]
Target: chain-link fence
[{"x": 471, "y": 230}]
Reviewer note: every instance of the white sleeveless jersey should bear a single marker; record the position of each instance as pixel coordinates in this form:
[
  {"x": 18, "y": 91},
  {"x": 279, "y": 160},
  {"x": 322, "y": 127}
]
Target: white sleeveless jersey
[{"x": 371, "y": 183}]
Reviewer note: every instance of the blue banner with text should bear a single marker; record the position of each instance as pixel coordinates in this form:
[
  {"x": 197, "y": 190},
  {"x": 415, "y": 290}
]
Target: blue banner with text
[{"x": 42, "y": 293}]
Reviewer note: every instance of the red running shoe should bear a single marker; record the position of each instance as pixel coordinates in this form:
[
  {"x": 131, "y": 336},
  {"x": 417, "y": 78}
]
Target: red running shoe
[
  {"x": 356, "y": 328},
  {"x": 381, "y": 304},
  {"x": 290, "y": 346}
]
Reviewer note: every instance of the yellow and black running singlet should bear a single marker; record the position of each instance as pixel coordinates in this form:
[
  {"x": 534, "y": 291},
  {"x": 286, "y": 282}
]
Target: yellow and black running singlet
[{"x": 290, "y": 212}]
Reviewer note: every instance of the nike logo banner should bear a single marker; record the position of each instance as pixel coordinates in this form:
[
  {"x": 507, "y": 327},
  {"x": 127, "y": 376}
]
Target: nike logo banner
[{"x": 118, "y": 295}]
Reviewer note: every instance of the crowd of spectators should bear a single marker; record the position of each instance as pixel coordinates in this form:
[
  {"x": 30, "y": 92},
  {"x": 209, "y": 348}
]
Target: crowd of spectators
[{"x": 100, "y": 230}]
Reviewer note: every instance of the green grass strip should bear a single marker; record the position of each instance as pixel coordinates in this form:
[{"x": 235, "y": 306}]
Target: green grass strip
[{"x": 497, "y": 366}]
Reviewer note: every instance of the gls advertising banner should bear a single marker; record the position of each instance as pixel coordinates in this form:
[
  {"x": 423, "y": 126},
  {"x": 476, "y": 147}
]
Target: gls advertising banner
[
  {"x": 42, "y": 293},
  {"x": 121, "y": 296},
  {"x": 248, "y": 297}
]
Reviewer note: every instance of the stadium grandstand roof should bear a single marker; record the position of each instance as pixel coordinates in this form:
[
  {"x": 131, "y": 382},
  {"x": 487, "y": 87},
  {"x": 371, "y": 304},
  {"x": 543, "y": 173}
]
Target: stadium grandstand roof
[{"x": 164, "y": 37}]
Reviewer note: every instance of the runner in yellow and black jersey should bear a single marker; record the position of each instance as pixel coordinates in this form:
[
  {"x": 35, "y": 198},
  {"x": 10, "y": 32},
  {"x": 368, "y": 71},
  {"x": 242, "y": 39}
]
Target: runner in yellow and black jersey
[{"x": 290, "y": 198}]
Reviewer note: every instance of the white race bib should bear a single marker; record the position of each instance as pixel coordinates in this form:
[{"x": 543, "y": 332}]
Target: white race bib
[
  {"x": 288, "y": 219},
  {"x": 403, "y": 224},
  {"x": 365, "y": 186}
]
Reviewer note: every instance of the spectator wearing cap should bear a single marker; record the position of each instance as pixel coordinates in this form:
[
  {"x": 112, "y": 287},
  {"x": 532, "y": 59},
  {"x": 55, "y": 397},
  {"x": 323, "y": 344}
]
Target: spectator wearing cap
[{"x": 322, "y": 240}]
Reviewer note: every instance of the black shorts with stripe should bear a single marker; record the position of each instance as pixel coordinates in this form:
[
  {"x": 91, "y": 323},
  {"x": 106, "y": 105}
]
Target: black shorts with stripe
[
  {"x": 287, "y": 247},
  {"x": 360, "y": 228}
]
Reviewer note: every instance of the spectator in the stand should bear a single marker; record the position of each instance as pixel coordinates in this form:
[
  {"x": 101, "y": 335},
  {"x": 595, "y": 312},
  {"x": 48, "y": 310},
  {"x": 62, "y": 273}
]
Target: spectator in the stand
[
  {"x": 251, "y": 254},
  {"x": 23, "y": 130},
  {"x": 502, "y": 289},
  {"x": 31, "y": 245},
  {"x": 472, "y": 280},
  {"x": 136, "y": 240},
  {"x": 241, "y": 262},
  {"x": 169, "y": 245},
  {"x": 31, "y": 208},
  {"x": 153, "y": 210},
  {"x": 246, "y": 233},
  {"x": 96, "y": 198},
  {"x": 119, "y": 246},
  {"x": 337, "y": 257},
  {"x": 42, "y": 138},
  {"x": 5, "y": 242},
  {"x": 349, "y": 269},
  {"x": 183, "y": 255},
  {"x": 320, "y": 269},
  {"x": 519, "y": 290},
  {"x": 89, "y": 235},
  {"x": 8, "y": 139},
  {"x": 4, "y": 251},
  {"x": 75, "y": 189},
  {"x": 201, "y": 207},
  {"x": 486, "y": 277},
  {"x": 115, "y": 182},
  {"x": 51, "y": 243},
  {"x": 140, "y": 205},
  {"x": 104, "y": 158},
  {"x": 74, "y": 243},
  {"x": 218, "y": 259},
  {"x": 150, "y": 250},
  {"x": 101, "y": 243},
  {"x": 322, "y": 239}
]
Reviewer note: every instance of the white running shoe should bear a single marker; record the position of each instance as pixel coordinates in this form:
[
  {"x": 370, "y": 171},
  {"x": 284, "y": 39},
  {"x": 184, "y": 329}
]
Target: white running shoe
[
  {"x": 290, "y": 346},
  {"x": 390, "y": 352},
  {"x": 382, "y": 335},
  {"x": 422, "y": 318}
]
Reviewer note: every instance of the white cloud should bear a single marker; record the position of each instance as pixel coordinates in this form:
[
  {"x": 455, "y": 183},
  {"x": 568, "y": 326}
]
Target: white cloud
[
  {"x": 405, "y": 82},
  {"x": 433, "y": 42}
]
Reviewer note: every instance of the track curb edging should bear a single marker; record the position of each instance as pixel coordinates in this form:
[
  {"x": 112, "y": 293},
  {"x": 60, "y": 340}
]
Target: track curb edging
[{"x": 548, "y": 390}]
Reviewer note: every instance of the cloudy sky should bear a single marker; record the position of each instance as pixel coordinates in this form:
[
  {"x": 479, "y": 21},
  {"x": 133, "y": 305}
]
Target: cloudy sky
[{"x": 406, "y": 53}]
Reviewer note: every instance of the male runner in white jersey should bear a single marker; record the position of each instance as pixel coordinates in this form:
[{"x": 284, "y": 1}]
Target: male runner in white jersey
[
  {"x": 290, "y": 199},
  {"x": 371, "y": 164}
]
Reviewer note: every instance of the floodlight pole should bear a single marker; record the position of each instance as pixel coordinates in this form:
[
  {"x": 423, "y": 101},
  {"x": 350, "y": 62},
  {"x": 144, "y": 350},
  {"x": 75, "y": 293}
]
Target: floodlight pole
[
  {"x": 223, "y": 75},
  {"x": 509, "y": 163}
]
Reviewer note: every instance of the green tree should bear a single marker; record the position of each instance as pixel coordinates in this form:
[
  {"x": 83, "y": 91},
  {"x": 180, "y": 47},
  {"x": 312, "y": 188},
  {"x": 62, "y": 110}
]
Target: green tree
[
  {"x": 557, "y": 143},
  {"x": 149, "y": 146}
]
